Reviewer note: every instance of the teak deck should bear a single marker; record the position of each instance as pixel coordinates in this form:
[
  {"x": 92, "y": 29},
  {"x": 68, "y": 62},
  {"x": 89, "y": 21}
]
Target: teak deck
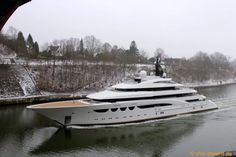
[{"x": 59, "y": 104}]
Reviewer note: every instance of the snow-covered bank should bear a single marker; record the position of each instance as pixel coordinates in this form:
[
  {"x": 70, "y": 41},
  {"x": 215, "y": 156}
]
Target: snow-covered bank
[
  {"x": 36, "y": 99},
  {"x": 210, "y": 83}
]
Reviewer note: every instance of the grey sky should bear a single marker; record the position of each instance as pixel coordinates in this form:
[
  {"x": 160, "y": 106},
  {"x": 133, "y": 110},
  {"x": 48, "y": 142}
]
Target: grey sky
[{"x": 180, "y": 27}]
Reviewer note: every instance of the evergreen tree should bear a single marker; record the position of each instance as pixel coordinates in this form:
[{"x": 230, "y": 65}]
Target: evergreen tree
[
  {"x": 133, "y": 53},
  {"x": 30, "y": 40},
  {"x": 21, "y": 45},
  {"x": 30, "y": 44},
  {"x": 81, "y": 47},
  {"x": 36, "y": 49}
]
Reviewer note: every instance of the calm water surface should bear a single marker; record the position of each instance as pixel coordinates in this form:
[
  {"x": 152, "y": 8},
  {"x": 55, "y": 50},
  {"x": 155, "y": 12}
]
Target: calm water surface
[{"x": 25, "y": 133}]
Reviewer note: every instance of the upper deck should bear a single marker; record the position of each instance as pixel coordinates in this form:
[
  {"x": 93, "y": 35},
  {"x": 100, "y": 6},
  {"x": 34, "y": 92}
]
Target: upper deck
[{"x": 149, "y": 82}]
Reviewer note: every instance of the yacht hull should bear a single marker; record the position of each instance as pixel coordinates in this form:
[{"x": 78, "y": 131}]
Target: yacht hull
[{"x": 121, "y": 112}]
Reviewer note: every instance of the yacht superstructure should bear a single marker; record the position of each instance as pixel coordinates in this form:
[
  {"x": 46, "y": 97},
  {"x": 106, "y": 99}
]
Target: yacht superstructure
[{"x": 141, "y": 99}]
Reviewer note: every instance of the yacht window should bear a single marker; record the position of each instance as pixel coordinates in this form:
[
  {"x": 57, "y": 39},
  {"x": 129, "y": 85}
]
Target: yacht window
[
  {"x": 192, "y": 100},
  {"x": 142, "y": 98},
  {"x": 147, "y": 89},
  {"x": 123, "y": 108},
  {"x": 171, "y": 82},
  {"x": 146, "y": 106},
  {"x": 154, "y": 105},
  {"x": 164, "y": 104},
  {"x": 114, "y": 109},
  {"x": 137, "y": 80},
  {"x": 101, "y": 110},
  {"x": 131, "y": 108}
]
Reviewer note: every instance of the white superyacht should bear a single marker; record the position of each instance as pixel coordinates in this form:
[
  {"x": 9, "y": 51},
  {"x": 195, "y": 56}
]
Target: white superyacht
[{"x": 141, "y": 99}]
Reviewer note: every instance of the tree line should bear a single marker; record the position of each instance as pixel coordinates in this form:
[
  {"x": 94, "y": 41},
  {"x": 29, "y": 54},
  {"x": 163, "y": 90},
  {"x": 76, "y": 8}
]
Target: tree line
[
  {"x": 88, "y": 48},
  {"x": 92, "y": 49},
  {"x": 23, "y": 47},
  {"x": 201, "y": 67}
]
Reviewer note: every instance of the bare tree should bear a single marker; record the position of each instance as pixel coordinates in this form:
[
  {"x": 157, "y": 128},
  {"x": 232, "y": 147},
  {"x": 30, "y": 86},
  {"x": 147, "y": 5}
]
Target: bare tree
[
  {"x": 160, "y": 52},
  {"x": 12, "y": 32},
  {"x": 92, "y": 44}
]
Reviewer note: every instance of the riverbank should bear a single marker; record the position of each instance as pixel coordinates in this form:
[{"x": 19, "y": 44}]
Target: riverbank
[
  {"x": 37, "y": 99},
  {"x": 210, "y": 83},
  {"x": 50, "y": 97}
]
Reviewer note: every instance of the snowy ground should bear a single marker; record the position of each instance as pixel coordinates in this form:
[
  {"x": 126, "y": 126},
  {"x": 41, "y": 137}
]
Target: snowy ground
[
  {"x": 21, "y": 76},
  {"x": 210, "y": 83},
  {"x": 16, "y": 82}
]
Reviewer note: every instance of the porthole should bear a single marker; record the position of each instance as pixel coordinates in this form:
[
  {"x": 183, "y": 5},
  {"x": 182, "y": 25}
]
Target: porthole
[
  {"x": 123, "y": 108},
  {"x": 117, "y": 117},
  {"x": 161, "y": 112},
  {"x": 124, "y": 117},
  {"x": 131, "y": 107},
  {"x": 114, "y": 109}
]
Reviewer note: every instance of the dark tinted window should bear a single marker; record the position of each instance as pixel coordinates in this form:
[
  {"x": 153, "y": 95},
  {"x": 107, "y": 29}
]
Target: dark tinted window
[
  {"x": 192, "y": 100},
  {"x": 131, "y": 108},
  {"x": 146, "y": 106},
  {"x": 101, "y": 110},
  {"x": 154, "y": 105},
  {"x": 114, "y": 109},
  {"x": 123, "y": 108}
]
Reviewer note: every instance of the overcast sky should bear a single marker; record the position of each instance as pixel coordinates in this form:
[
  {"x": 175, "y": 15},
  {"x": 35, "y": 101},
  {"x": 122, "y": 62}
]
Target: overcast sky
[{"x": 180, "y": 27}]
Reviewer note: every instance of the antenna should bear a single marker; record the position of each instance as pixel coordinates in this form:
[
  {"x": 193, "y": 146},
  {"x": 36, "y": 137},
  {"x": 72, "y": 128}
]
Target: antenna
[{"x": 158, "y": 69}]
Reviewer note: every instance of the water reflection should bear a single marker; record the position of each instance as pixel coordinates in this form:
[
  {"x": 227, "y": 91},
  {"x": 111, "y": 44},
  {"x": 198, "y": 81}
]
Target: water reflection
[
  {"x": 219, "y": 92},
  {"x": 18, "y": 129},
  {"x": 142, "y": 140}
]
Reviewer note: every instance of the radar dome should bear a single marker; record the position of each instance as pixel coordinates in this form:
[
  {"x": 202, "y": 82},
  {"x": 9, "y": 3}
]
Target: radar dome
[{"x": 143, "y": 73}]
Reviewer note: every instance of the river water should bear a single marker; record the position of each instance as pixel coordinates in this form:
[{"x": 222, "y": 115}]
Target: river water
[{"x": 25, "y": 133}]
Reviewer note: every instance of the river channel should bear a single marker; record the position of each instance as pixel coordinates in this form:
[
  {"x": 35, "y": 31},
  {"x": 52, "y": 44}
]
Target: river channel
[{"x": 25, "y": 133}]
